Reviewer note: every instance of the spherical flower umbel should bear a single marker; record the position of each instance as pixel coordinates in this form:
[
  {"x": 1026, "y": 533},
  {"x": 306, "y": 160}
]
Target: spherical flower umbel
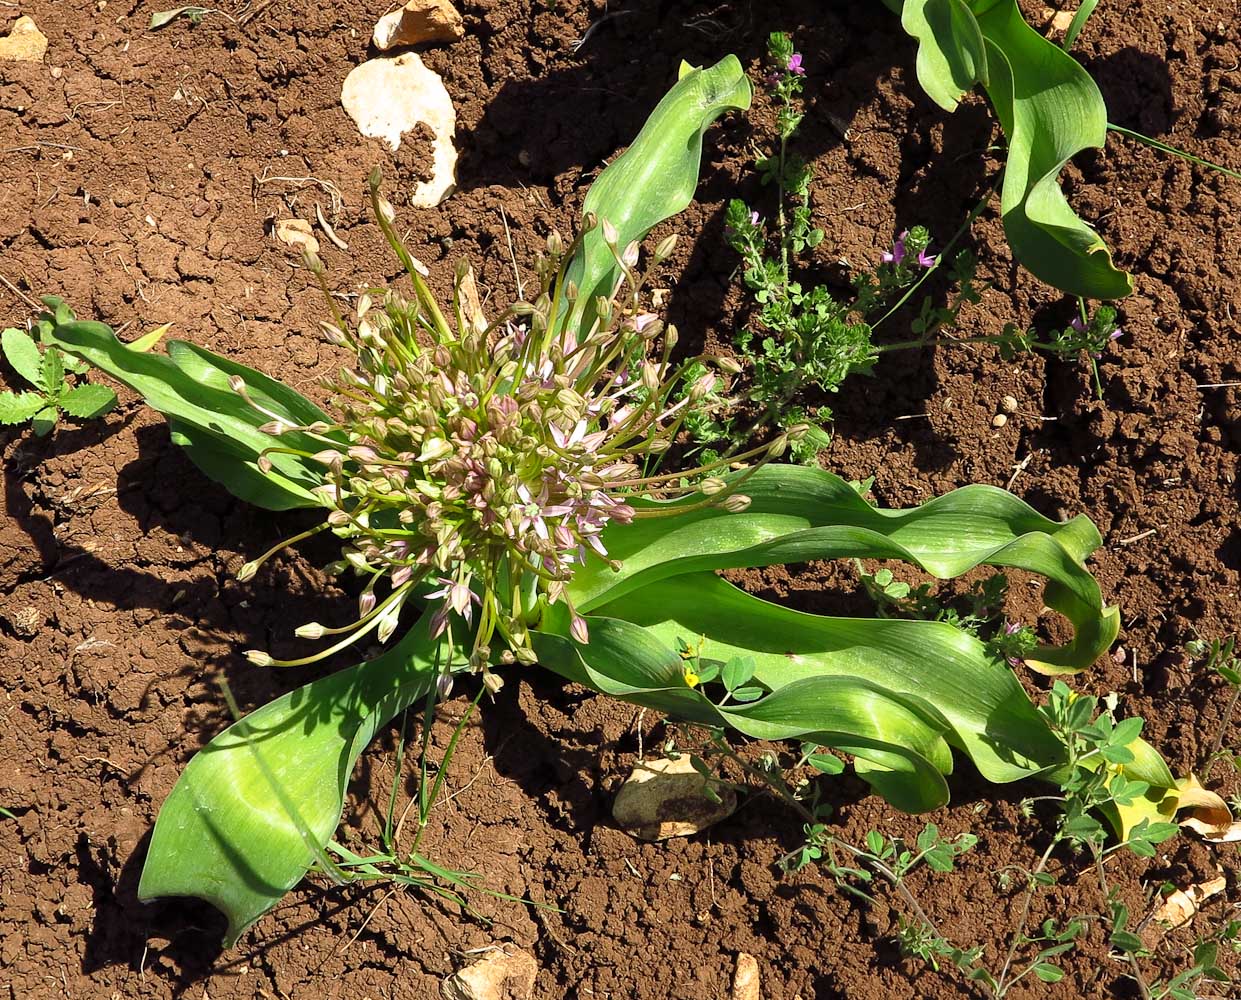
[{"x": 476, "y": 465}]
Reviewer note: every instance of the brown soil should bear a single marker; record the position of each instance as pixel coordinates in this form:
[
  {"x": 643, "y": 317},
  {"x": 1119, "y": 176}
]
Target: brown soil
[{"x": 128, "y": 166}]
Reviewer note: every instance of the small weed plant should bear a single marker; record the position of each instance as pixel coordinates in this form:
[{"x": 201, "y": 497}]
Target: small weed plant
[
  {"x": 56, "y": 388},
  {"x": 806, "y": 339}
]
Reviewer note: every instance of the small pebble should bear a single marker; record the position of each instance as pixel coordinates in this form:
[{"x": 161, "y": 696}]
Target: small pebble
[
  {"x": 1009, "y": 404},
  {"x": 999, "y": 420}
]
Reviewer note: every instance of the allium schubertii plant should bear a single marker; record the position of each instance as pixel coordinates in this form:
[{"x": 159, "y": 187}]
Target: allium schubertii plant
[{"x": 501, "y": 491}]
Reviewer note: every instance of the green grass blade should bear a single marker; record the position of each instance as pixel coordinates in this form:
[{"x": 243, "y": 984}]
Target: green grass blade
[
  {"x": 1084, "y": 11},
  {"x": 224, "y": 834},
  {"x": 1163, "y": 147},
  {"x": 655, "y": 177},
  {"x": 798, "y": 514}
]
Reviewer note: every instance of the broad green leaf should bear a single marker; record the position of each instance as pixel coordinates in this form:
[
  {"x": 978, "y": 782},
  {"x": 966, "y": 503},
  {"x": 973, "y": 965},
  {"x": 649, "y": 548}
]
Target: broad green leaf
[
  {"x": 18, "y": 407},
  {"x": 904, "y": 746},
  {"x": 53, "y": 373},
  {"x": 87, "y": 400},
  {"x": 23, "y": 354},
  {"x": 952, "y": 55},
  {"x": 944, "y": 673},
  {"x": 798, "y": 514},
  {"x": 1050, "y": 110},
  {"x": 225, "y": 833},
  {"x": 654, "y": 178},
  {"x": 45, "y": 420},
  {"x": 190, "y": 387}
]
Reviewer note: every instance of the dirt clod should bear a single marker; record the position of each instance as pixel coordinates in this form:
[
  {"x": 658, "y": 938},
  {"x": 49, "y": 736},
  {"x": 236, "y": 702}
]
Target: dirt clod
[{"x": 417, "y": 23}]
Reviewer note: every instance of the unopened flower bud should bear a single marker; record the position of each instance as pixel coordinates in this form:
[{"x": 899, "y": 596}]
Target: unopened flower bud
[
  {"x": 332, "y": 333},
  {"x": 579, "y": 630},
  {"x": 798, "y": 431},
  {"x": 443, "y": 686},
  {"x": 492, "y": 682},
  {"x": 525, "y": 656},
  {"x": 671, "y": 337},
  {"x": 338, "y": 518},
  {"x": 778, "y": 446},
  {"x": 570, "y": 291},
  {"x": 387, "y": 623},
  {"x": 666, "y": 246},
  {"x": 730, "y": 365},
  {"x": 521, "y": 308},
  {"x": 275, "y": 427},
  {"x": 259, "y": 658},
  {"x": 434, "y": 449},
  {"x": 312, "y": 263},
  {"x": 237, "y": 383},
  {"x": 735, "y": 503},
  {"x": 630, "y": 257},
  {"x": 555, "y": 245},
  {"x": 311, "y": 630},
  {"x": 247, "y": 571},
  {"x": 701, "y": 387},
  {"x": 329, "y": 457},
  {"x": 386, "y": 209},
  {"x": 264, "y": 464},
  {"x": 610, "y": 235},
  {"x": 650, "y": 376},
  {"x": 712, "y": 485}
]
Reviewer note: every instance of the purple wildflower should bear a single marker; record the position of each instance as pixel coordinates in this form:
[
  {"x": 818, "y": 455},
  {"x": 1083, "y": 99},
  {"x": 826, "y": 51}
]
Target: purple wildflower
[
  {"x": 925, "y": 259},
  {"x": 795, "y": 66},
  {"x": 897, "y": 253},
  {"x": 754, "y": 218}
]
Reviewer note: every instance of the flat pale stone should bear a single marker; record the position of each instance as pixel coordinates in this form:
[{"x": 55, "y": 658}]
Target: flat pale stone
[
  {"x": 419, "y": 22},
  {"x": 25, "y": 43},
  {"x": 746, "y": 983},
  {"x": 502, "y": 975},
  {"x": 296, "y": 233},
  {"x": 390, "y": 96},
  {"x": 668, "y": 798}
]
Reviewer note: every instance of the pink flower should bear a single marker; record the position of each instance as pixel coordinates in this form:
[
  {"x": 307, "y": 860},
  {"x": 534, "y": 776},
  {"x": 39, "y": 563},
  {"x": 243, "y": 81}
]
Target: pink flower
[
  {"x": 898, "y": 250},
  {"x": 795, "y": 66}
]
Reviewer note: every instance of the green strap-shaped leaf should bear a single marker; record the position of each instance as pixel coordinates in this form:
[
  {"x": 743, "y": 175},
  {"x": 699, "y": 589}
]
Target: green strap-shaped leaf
[
  {"x": 1050, "y": 110},
  {"x": 654, "y": 178},
  {"x": 903, "y": 744},
  {"x": 974, "y": 698},
  {"x": 226, "y": 833},
  {"x": 952, "y": 56},
  {"x": 798, "y": 514},
  {"x": 190, "y": 388}
]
